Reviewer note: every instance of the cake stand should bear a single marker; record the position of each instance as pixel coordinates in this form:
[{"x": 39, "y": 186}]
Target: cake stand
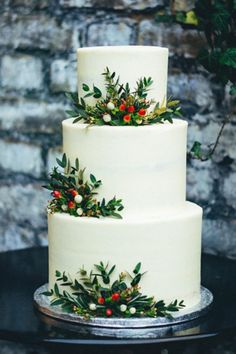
[{"x": 125, "y": 327}]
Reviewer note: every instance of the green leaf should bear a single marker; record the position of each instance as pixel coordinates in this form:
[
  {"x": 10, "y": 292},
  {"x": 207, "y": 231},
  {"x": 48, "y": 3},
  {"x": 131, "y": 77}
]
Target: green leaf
[
  {"x": 73, "y": 96},
  {"x": 64, "y": 160},
  {"x": 81, "y": 112},
  {"x": 105, "y": 278},
  {"x": 77, "y": 164},
  {"x": 57, "y": 302},
  {"x": 229, "y": 57},
  {"x": 89, "y": 94},
  {"x": 196, "y": 149},
  {"x": 97, "y": 92},
  {"x": 122, "y": 286},
  {"x": 136, "y": 280},
  {"x": 62, "y": 163},
  {"x": 71, "y": 113},
  {"x": 57, "y": 273},
  {"x": 233, "y": 90},
  {"x": 83, "y": 104},
  {"x": 47, "y": 293},
  {"x": 220, "y": 19},
  {"x": 137, "y": 268},
  {"x": 56, "y": 290},
  {"x": 77, "y": 119},
  {"x": 85, "y": 87},
  {"x": 111, "y": 270},
  {"x": 117, "y": 215},
  {"x": 113, "y": 75},
  {"x": 93, "y": 178}
]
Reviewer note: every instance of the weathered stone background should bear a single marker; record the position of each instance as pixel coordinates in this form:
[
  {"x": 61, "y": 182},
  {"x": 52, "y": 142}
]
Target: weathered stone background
[{"x": 38, "y": 41}]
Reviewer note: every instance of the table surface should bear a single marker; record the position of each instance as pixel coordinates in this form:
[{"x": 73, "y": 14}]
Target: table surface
[{"x": 23, "y": 271}]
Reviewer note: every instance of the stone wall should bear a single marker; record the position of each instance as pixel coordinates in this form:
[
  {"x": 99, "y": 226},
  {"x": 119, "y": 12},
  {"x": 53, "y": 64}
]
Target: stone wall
[{"x": 38, "y": 41}]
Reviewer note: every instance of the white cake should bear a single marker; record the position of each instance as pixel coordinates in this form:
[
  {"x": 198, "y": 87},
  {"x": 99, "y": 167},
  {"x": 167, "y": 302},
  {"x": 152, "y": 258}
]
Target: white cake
[{"x": 146, "y": 167}]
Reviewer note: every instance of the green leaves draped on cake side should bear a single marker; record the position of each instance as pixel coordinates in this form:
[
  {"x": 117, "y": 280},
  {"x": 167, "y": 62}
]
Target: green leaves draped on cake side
[
  {"x": 76, "y": 196},
  {"x": 121, "y": 106},
  {"x": 94, "y": 294}
]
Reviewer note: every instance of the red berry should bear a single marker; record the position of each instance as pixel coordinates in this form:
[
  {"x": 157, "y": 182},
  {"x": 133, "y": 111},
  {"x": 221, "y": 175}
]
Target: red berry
[
  {"x": 101, "y": 300},
  {"x": 142, "y": 112},
  {"x": 108, "y": 312},
  {"x": 71, "y": 204},
  {"x": 122, "y": 107},
  {"x": 115, "y": 296},
  {"x": 131, "y": 109},
  {"x": 73, "y": 192},
  {"x": 56, "y": 194},
  {"x": 127, "y": 118}
]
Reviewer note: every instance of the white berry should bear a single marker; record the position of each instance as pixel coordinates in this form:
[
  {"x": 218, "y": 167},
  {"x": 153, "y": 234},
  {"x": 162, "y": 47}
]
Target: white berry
[
  {"x": 78, "y": 198},
  {"x": 123, "y": 308},
  {"x": 92, "y": 307},
  {"x": 79, "y": 211},
  {"x": 64, "y": 207},
  {"x": 110, "y": 106},
  {"x": 106, "y": 118},
  {"x": 132, "y": 310}
]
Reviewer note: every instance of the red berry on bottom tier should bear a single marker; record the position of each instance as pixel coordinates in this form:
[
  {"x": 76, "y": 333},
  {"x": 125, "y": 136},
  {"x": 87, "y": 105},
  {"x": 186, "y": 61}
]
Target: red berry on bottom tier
[
  {"x": 127, "y": 118},
  {"x": 131, "y": 109},
  {"x": 142, "y": 112},
  {"x": 71, "y": 204},
  {"x": 115, "y": 296},
  {"x": 56, "y": 194},
  {"x": 108, "y": 312},
  {"x": 101, "y": 300}
]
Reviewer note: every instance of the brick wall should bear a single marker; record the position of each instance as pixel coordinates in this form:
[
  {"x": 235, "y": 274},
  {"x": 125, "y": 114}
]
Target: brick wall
[{"x": 38, "y": 41}]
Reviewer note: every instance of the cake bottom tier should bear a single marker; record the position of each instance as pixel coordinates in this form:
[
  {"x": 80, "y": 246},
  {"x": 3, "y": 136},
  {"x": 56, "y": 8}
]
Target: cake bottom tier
[{"x": 168, "y": 246}]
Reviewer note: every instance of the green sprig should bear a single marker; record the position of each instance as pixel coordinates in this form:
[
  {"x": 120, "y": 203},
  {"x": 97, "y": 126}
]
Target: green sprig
[
  {"x": 95, "y": 293},
  {"x": 119, "y": 95},
  {"x": 65, "y": 185}
]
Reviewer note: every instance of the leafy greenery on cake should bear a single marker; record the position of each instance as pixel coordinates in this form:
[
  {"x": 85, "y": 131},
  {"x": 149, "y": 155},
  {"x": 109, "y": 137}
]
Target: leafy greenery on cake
[
  {"x": 121, "y": 106},
  {"x": 75, "y": 195},
  {"x": 97, "y": 296}
]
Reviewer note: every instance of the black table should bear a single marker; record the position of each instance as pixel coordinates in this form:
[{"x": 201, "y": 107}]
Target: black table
[{"x": 22, "y": 272}]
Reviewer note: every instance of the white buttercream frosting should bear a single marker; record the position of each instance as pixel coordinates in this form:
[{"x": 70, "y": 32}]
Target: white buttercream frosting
[
  {"x": 129, "y": 62},
  {"x": 144, "y": 165},
  {"x": 168, "y": 247}
]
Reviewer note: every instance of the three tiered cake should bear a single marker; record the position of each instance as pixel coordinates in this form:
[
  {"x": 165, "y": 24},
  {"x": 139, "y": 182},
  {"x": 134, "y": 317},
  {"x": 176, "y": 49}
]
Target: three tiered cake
[{"x": 142, "y": 164}]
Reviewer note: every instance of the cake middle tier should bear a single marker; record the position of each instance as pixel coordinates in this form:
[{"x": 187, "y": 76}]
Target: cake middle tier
[{"x": 144, "y": 166}]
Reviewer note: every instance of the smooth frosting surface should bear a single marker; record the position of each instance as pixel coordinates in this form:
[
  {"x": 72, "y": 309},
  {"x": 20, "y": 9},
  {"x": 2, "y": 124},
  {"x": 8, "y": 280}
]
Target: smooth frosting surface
[
  {"x": 145, "y": 165},
  {"x": 169, "y": 249},
  {"x": 129, "y": 62}
]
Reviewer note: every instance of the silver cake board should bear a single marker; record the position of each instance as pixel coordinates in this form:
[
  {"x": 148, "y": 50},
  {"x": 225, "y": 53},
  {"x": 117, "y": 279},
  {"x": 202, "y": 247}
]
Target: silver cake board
[{"x": 42, "y": 303}]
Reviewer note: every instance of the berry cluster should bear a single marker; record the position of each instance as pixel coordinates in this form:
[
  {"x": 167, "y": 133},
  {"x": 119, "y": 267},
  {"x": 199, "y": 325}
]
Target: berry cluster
[
  {"x": 75, "y": 195},
  {"x": 121, "y": 106},
  {"x": 96, "y": 294},
  {"x": 130, "y": 112},
  {"x": 71, "y": 200},
  {"x": 115, "y": 300}
]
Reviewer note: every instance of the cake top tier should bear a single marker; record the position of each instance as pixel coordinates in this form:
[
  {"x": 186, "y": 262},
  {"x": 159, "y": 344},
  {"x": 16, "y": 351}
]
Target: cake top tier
[{"x": 129, "y": 62}]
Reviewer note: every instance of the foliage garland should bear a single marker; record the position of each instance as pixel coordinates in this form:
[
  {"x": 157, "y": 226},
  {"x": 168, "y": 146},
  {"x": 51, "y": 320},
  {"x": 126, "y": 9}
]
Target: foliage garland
[
  {"x": 121, "y": 106},
  {"x": 74, "y": 195},
  {"x": 94, "y": 295}
]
